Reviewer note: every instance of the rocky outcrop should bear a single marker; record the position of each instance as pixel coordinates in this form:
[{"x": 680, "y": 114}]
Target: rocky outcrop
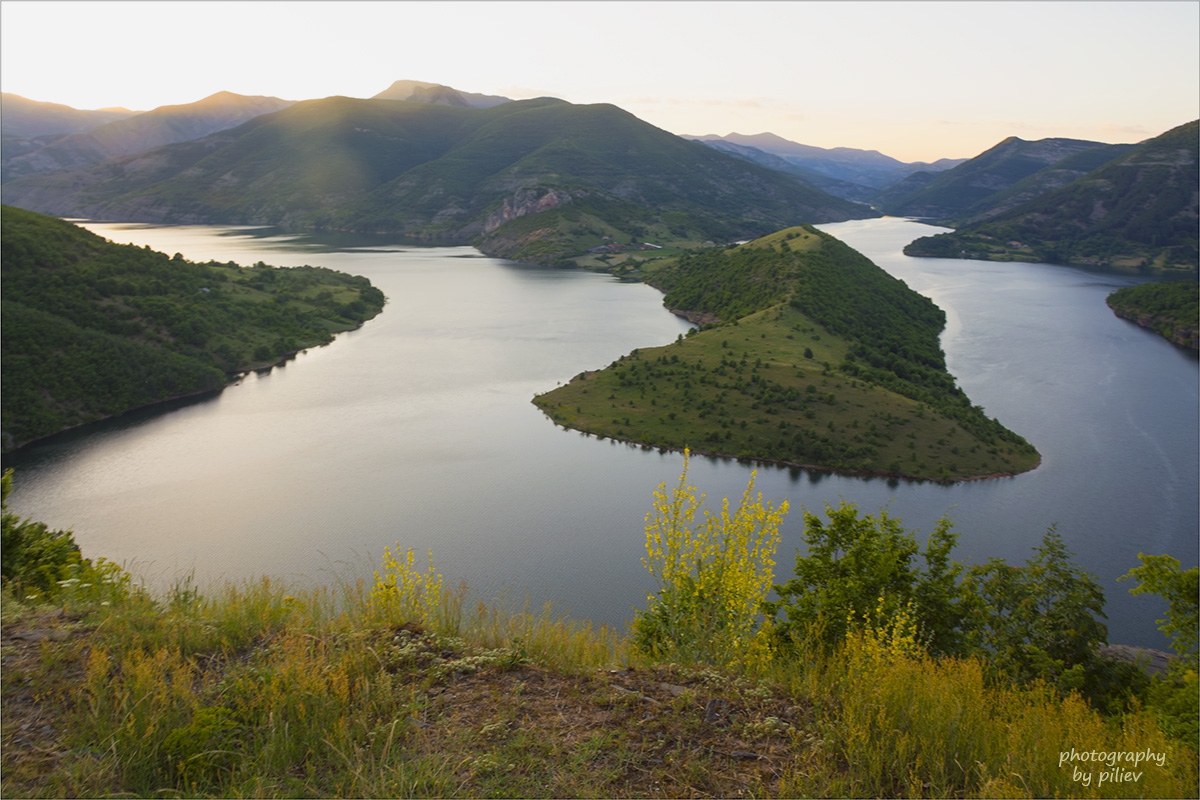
[
  {"x": 1168, "y": 328},
  {"x": 523, "y": 202}
]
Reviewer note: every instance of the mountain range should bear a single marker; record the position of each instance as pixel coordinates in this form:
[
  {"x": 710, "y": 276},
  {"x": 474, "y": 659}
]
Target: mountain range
[
  {"x": 446, "y": 172},
  {"x": 544, "y": 180},
  {"x": 134, "y": 134},
  {"x": 25, "y": 118},
  {"x": 843, "y": 171},
  {"x": 1138, "y": 209},
  {"x": 973, "y": 186}
]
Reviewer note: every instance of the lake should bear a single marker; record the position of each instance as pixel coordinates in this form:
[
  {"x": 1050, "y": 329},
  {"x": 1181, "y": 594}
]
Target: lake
[{"x": 418, "y": 429}]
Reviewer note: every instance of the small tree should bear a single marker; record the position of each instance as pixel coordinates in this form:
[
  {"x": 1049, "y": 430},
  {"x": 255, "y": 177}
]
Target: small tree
[
  {"x": 713, "y": 575},
  {"x": 1181, "y": 588},
  {"x": 857, "y": 568},
  {"x": 1040, "y": 620}
]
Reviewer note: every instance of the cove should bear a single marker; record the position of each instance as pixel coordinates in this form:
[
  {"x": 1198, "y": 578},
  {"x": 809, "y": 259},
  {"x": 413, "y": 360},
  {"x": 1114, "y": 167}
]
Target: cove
[{"x": 418, "y": 428}]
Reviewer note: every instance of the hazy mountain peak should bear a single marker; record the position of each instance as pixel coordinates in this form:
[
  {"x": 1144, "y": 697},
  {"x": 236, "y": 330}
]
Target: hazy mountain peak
[
  {"x": 125, "y": 135},
  {"x": 438, "y": 94},
  {"x": 24, "y": 117}
]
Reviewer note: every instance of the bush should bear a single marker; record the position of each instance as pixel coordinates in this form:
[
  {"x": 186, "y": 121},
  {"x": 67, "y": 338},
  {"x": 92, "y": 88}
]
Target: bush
[
  {"x": 32, "y": 554},
  {"x": 713, "y": 576},
  {"x": 855, "y": 563}
]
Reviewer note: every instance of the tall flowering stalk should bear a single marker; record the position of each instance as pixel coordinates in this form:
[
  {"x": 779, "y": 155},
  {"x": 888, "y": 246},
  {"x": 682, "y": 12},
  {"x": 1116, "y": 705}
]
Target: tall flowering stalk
[
  {"x": 713, "y": 575},
  {"x": 404, "y": 591}
]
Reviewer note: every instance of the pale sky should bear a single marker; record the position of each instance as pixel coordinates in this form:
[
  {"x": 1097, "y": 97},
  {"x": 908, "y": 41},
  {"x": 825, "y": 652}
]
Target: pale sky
[{"x": 917, "y": 81}]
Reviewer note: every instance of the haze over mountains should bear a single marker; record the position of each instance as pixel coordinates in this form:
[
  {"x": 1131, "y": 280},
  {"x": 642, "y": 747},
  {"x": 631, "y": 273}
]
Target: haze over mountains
[
  {"x": 437, "y": 94},
  {"x": 133, "y": 134},
  {"x": 540, "y": 180},
  {"x": 444, "y": 171},
  {"x": 843, "y": 171}
]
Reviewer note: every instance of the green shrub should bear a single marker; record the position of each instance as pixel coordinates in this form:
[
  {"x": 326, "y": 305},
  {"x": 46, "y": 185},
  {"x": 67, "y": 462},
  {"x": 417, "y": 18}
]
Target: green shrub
[
  {"x": 713, "y": 576},
  {"x": 32, "y": 554}
]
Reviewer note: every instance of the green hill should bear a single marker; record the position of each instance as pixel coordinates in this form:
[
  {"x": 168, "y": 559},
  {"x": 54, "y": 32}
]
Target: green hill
[
  {"x": 812, "y": 356},
  {"x": 1138, "y": 211},
  {"x": 457, "y": 174},
  {"x": 92, "y": 329}
]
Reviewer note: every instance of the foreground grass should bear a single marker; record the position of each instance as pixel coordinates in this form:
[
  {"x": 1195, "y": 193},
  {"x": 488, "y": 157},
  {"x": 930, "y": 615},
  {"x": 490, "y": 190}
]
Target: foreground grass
[
  {"x": 764, "y": 388},
  {"x": 259, "y": 690}
]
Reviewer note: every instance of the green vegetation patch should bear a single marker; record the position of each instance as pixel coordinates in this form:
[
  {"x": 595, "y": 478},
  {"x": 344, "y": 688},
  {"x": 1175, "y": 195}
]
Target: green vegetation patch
[
  {"x": 823, "y": 360},
  {"x": 92, "y": 329},
  {"x": 765, "y": 389}
]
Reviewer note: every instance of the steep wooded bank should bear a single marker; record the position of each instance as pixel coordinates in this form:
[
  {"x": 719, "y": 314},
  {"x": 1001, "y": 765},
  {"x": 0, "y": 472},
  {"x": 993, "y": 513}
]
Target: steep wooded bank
[
  {"x": 535, "y": 180},
  {"x": 1170, "y": 309},
  {"x": 819, "y": 359},
  {"x": 92, "y": 329}
]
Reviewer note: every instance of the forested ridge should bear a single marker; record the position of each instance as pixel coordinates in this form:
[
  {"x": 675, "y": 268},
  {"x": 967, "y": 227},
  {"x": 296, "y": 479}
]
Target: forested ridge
[
  {"x": 1137, "y": 212},
  {"x": 92, "y": 329}
]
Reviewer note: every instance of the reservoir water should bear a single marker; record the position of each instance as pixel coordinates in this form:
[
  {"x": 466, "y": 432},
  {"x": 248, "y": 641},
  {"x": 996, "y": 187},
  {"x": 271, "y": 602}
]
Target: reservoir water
[{"x": 417, "y": 429}]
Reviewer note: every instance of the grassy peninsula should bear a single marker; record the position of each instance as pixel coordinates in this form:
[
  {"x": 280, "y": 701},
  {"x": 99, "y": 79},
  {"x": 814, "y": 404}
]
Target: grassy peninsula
[
  {"x": 808, "y": 354},
  {"x": 92, "y": 329}
]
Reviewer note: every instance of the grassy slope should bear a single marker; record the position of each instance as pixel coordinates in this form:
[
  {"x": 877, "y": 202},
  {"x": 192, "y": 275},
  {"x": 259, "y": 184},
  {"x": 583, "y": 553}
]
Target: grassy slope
[
  {"x": 92, "y": 329},
  {"x": 769, "y": 385},
  {"x": 266, "y": 691}
]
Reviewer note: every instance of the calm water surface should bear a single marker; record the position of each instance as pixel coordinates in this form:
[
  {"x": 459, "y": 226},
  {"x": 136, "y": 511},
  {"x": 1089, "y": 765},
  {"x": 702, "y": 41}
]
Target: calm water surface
[{"x": 417, "y": 429}]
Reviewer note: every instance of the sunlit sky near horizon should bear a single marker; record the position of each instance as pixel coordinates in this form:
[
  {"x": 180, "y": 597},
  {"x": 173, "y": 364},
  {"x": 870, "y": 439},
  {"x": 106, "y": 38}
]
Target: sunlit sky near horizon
[{"x": 917, "y": 81}]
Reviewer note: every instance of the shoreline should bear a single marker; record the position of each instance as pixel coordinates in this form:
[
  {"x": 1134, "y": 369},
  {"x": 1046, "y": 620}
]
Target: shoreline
[
  {"x": 231, "y": 379},
  {"x": 791, "y": 464}
]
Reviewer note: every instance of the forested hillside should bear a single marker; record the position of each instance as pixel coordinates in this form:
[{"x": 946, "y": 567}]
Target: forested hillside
[
  {"x": 92, "y": 329},
  {"x": 1137, "y": 212},
  {"x": 1170, "y": 309},
  {"x": 969, "y": 187}
]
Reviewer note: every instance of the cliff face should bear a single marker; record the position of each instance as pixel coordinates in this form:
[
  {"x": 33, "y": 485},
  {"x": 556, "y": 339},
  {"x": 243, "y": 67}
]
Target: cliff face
[{"x": 524, "y": 202}]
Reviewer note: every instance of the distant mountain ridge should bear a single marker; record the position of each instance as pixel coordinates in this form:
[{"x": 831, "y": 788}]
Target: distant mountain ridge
[
  {"x": 25, "y": 118},
  {"x": 1138, "y": 210},
  {"x": 539, "y": 180},
  {"x": 842, "y": 171},
  {"x": 163, "y": 125},
  {"x": 838, "y": 188}
]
